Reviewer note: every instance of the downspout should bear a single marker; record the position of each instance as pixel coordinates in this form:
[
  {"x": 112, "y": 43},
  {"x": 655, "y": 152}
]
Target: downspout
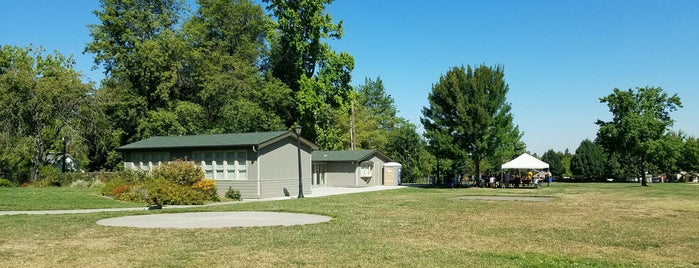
[{"x": 259, "y": 182}]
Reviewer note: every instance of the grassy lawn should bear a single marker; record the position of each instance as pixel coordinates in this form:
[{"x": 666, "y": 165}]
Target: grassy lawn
[
  {"x": 589, "y": 225},
  {"x": 54, "y": 198}
]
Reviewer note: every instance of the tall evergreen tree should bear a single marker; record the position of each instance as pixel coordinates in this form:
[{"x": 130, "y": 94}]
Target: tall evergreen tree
[
  {"x": 555, "y": 161},
  {"x": 588, "y": 162},
  {"x": 375, "y": 115}
]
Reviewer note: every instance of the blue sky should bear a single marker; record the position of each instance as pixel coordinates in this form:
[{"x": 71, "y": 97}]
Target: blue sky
[{"x": 559, "y": 56}]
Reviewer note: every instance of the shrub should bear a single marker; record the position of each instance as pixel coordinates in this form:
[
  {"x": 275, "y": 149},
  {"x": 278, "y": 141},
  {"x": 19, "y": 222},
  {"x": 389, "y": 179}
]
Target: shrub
[
  {"x": 48, "y": 177},
  {"x": 165, "y": 192},
  {"x": 97, "y": 184},
  {"x": 208, "y": 188},
  {"x": 124, "y": 178},
  {"x": 234, "y": 194},
  {"x": 66, "y": 179},
  {"x": 81, "y": 184},
  {"x": 134, "y": 194},
  {"x": 120, "y": 189},
  {"x": 180, "y": 172},
  {"x": 6, "y": 183}
]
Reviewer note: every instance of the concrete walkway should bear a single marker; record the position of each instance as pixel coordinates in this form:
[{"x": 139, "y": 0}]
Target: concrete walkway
[{"x": 215, "y": 219}]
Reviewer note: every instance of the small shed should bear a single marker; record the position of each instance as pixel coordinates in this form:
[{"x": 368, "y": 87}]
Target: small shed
[{"x": 355, "y": 168}]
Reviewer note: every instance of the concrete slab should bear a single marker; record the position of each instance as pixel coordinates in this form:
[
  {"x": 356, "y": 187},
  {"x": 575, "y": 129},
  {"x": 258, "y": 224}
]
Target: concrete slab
[{"x": 214, "y": 220}]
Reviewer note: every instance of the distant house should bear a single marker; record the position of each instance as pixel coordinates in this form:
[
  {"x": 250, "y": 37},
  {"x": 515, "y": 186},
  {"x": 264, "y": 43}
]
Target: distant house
[
  {"x": 358, "y": 168},
  {"x": 56, "y": 161},
  {"x": 259, "y": 165}
]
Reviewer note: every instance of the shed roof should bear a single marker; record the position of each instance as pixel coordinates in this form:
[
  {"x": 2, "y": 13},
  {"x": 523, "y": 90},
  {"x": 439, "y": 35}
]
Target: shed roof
[
  {"x": 345, "y": 156},
  {"x": 212, "y": 140}
]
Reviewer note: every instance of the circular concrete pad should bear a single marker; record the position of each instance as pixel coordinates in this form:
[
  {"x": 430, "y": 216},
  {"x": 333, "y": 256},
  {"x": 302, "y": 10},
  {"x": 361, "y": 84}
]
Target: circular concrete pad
[
  {"x": 507, "y": 198},
  {"x": 214, "y": 220}
]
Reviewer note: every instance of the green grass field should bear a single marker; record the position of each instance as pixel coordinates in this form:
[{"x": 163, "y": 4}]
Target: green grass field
[
  {"x": 54, "y": 198},
  {"x": 588, "y": 225}
]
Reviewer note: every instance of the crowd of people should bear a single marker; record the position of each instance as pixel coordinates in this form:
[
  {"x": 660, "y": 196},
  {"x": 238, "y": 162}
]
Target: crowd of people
[{"x": 506, "y": 180}]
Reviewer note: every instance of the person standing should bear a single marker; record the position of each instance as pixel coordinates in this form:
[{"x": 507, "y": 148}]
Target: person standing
[
  {"x": 550, "y": 177},
  {"x": 536, "y": 181},
  {"x": 507, "y": 180}
]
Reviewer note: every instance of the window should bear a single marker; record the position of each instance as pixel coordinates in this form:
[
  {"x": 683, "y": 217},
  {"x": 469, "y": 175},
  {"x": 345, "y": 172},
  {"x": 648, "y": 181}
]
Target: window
[
  {"x": 149, "y": 161},
  {"x": 222, "y": 165},
  {"x": 365, "y": 169}
]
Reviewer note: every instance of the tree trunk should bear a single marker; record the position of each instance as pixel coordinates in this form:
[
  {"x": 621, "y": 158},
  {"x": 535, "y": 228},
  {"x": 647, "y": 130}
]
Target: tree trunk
[
  {"x": 476, "y": 163},
  {"x": 643, "y": 172},
  {"x": 33, "y": 176}
]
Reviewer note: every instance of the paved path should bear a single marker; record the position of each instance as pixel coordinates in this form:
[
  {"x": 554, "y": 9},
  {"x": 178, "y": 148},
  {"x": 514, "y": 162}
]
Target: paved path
[{"x": 214, "y": 219}]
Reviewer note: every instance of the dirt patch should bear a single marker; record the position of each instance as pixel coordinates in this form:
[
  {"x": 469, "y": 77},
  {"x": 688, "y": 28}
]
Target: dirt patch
[{"x": 507, "y": 198}]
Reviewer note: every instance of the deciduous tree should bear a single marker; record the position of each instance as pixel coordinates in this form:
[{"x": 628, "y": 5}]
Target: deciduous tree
[
  {"x": 640, "y": 118},
  {"x": 40, "y": 95},
  {"x": 469, "y": 116},
  {"x": 406, "y": 147}
]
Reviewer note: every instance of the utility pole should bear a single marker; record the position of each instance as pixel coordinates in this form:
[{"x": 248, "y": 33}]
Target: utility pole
[{"x": 352, "y": 142}]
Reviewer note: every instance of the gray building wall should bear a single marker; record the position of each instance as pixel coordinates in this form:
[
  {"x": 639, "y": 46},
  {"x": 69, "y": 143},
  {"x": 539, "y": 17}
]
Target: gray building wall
[
  {"x": 347, "y": 174},
  {"x": 340, "y": 174},
  {"x": 279, "y": 173},
  {"x": 377, "y": 173}
]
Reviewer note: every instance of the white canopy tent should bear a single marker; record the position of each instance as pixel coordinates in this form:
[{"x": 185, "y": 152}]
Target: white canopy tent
[{"x": 525, "y": 161}]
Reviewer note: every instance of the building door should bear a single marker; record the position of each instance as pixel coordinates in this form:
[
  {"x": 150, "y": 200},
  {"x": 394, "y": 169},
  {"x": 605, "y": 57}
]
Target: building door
[{"x": 318, "y": 175}]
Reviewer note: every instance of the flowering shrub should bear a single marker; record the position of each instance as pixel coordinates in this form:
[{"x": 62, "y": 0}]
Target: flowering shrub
[
  {"x": 207, "y": 187},
  {"x": 124, "y": 178},
  {"x": 164, "y": 192},
  {"x": 120, "y": 189},
  {"x": 180, "y": 172},
  {"x": 174, "y": 183}
]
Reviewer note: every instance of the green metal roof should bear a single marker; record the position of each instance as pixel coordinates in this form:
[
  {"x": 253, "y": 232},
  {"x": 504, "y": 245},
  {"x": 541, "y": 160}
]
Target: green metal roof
[
  {"x": 213, "y": 140},
  {"x": 341, "y": 156}
]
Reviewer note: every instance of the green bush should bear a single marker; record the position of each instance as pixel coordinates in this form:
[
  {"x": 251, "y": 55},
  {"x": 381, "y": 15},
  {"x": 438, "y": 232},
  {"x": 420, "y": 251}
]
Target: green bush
[
  {"x": 7, "y": 183},
  {"x": 165, "y": 192},
  {"x": 48, "y": 177},
  {"x": 168, "y": 185},
  {"x": 81, "y": 184},
  {"x": 121, "y": 180},
  {"x": 234, "y": 194},
  {"x": 180, "y": 172}
]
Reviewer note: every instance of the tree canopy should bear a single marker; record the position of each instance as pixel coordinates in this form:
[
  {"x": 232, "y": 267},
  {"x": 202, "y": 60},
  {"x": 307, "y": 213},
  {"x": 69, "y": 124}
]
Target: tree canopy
[
  {"x": 588, "y": 163},
  {"x": 469, "y": 116},
  {"x": 640, "y": 119},
  {"x": 40, "y": 97}
]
